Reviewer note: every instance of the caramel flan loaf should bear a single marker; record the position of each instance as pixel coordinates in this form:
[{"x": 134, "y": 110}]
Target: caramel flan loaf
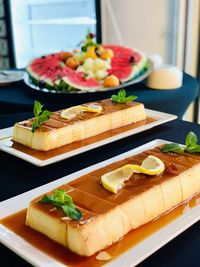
[
  {"x": 58, "y": 131},
  {"x": 107, "y": 217}
]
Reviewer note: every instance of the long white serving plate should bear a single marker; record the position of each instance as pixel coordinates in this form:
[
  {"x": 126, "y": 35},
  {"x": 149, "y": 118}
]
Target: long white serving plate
[
  {"x": 6, "y": 135},
  {"x": 132, "y": 257}
]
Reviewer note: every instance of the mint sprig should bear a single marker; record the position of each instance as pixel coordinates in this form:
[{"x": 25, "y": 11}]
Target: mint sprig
[
  {"x": 173, "y": 147},
  {"x": 59, "y": 198},
  {"x": 89, "y": 41},
  {"x": 40, "y": 115},
  {"x": 122, "y": 98},
  {"x": 191, "y": 145}
]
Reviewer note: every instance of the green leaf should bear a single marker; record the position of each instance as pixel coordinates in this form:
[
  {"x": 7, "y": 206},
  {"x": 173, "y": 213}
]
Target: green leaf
[
  {"x": 40, "y": 115},
  {"x": 122, "y": 93},
  {"x": 194, "y": 149},
  {"x": 191, "y": 145},
  {"x": 130, "y": 98},
  {"x": 61, "y": 199},
  {"x": 191, "y": 140},
  {"x": 72, "y": 212},
  {"x": 37, "y": 108},
  {"x": 173, "y": 147},
  {"x": 122, "y": 98},
  {"x": 115, "y": 98}
]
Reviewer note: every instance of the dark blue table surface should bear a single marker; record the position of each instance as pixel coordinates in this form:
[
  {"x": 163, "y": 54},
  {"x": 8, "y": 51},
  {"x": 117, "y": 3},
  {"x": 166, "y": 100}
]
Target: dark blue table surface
[
  {"x": 18, "y": 176},
  {"x": 18, "y": 97}
]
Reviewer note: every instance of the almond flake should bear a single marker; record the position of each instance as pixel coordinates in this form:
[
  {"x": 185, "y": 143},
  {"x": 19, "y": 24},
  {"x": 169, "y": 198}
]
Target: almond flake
[
  {"x": 53, "y": 209},
  {"x": 103, "y": 256},
  {"x": 66, "y": 219}
]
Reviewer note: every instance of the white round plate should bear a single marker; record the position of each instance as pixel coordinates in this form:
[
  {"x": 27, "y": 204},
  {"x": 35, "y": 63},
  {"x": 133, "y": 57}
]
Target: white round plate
[{"x": 10, "y": 76}]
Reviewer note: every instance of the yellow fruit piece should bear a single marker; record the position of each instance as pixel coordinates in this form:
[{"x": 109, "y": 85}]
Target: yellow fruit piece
[
  {"x": 113, "y": 181},
  {"x": 72, "y": 63},
  {"x": 91, "y": 52},
  {"x": 99, "y": 50},
  {"x": 111, "y": 81},
  {"x": 107, "y": 54},
  {"x": 72, "y": 112}
]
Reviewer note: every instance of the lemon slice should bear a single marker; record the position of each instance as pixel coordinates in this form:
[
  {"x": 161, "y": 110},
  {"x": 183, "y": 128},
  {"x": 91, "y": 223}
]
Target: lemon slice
[
  {"x": 151, "y": 166},
  {"x": 72, "y": 112},
  {"x": 92, "y": 108},
  {"x": 113, "y": 181}
]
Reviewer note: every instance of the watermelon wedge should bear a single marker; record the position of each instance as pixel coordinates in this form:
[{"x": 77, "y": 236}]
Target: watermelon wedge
[
  {"x": 126, "y": 63},
  {"x": 52, "y": 72}
]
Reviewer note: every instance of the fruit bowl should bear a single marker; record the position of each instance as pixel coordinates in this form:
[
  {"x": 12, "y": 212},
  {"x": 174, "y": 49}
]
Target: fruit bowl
[
  {"x": 41, "y": 88},
  {"x": 92, "y": 68}
]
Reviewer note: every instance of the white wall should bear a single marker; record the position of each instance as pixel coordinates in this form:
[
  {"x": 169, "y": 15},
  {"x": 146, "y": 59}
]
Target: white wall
[
  {"x": 156, "y": 26},
  {"x": 144, "y": 24}
]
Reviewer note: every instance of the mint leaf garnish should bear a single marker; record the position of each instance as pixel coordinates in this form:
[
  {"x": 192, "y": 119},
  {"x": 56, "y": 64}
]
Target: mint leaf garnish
[
  {"x": 191, "y": 145},
  {"x": 191, "y": 140},
  {"x": 89, "y": 41},
  {"x": 40, "y": 115},
  {"x": 122, "y": 98},
  {"x": 72, "y": 212},
  {"x": 61, "y": 199},
  {"x": 173, "y": 147},
  {"x": 195, "y": 149}
]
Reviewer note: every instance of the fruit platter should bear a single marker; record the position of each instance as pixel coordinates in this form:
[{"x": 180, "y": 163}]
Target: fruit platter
[{"x": 92, "y": 68}]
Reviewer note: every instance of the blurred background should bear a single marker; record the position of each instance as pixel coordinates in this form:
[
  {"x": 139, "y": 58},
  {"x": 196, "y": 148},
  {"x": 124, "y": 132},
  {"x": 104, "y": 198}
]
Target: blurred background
[{"x": 170, "y": 28}]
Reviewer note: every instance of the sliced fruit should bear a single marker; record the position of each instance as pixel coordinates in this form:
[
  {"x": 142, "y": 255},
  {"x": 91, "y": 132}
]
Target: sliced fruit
[
  {"x": 151, "y": 166},
  {"x": 111, "y": 81},
  {"x": 124, "y": 63},
  {"x": 92, "y": 108},
  {"x": 72, "y": 63},
  {"x": 79, "y": 81},
  {"x": 72, "y": 112},
  {"x": 100, "y": 74},
  {"x": 115, "y": 180},
  {"x": 91, "y": 52},
  {"x": 88, "y": 64},
  {"x": 107, "y": 54}
]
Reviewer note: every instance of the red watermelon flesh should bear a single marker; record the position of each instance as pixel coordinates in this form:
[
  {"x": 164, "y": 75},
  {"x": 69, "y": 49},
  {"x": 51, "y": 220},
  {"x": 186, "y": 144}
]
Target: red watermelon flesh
[
  {"x": 43, "y": 67},
  {"x": 79, "y": 81},
  {"x": 43, "y": 59},
  {"x": 121, "y": 66},
  {"x": 50, "y": 68}
]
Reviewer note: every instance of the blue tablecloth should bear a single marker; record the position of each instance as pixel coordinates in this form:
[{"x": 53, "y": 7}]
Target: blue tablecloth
[{"x": 19, "y": 97}]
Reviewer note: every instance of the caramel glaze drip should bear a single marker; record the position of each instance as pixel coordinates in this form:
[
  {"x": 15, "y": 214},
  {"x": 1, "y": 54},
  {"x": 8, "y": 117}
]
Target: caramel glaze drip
[
  {"x": 92, "y": 199},
  {"x": 56, "y": 121}
]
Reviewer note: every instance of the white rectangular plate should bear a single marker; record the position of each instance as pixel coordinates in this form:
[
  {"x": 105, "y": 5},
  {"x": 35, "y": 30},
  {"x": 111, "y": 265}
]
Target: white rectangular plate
[
  {"x": 130, "y": 258},
  {"x": 5, "y": 136}
]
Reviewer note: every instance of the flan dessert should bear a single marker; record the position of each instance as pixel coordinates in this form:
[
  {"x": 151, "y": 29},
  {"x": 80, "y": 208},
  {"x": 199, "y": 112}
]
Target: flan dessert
[
  {"x": 107, "y": 217},
  {"x": 58, "y": 131}
]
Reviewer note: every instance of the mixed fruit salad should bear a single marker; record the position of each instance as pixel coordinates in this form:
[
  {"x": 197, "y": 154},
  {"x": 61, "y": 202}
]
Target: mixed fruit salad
[{"x": 92, "y": 67}]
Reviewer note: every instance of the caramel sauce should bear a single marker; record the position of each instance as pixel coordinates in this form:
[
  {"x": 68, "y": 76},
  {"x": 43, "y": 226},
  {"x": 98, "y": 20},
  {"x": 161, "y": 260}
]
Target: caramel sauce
[
  {"x": 16, "y": 224},
  {"x": 43, "y": 155}
]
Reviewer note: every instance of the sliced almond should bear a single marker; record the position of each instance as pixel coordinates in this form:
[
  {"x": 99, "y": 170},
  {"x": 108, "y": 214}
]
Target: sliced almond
[{"x": 103, "y": 256}]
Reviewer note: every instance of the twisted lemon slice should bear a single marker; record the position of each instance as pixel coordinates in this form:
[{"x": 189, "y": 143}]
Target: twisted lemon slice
[
  {"x": 72, "y": 112},
  {"x": 113, "y": 181}
]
